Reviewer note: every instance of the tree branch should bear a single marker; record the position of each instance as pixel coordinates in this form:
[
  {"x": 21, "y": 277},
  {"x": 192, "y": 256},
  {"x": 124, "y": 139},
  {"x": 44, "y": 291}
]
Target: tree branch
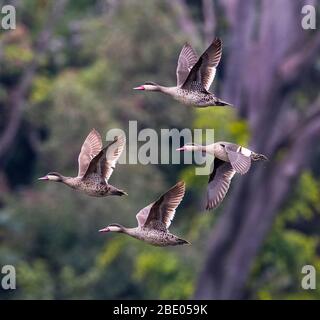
[
  {"x": 299, "y": 61},
  {"x": 297, "y": 125}
]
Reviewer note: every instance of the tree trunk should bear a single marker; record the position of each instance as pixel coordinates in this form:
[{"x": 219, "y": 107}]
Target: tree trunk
[{"x": 257, "y": 72}]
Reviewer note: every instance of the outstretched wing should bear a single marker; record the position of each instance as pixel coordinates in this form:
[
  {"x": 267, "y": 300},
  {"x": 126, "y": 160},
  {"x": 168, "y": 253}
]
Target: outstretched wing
[
  {"x": 142, "y": 215},
  {"x": 90, "y": 148},
  {"x": 203, "y": 72},
  {"x": 112, "y": 156},
  {"x": 100, "y": 163},
  {"x": 240, "y": 162},
  {"x": 219, "y": 183},
  {"x": 160, "y": 213},
  {"x": 186, "y": 61}
]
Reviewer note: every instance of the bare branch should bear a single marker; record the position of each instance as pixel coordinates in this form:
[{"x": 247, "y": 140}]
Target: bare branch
[
  {"x": 293, "y": 129},
  {"x": 300, "y": 60}
]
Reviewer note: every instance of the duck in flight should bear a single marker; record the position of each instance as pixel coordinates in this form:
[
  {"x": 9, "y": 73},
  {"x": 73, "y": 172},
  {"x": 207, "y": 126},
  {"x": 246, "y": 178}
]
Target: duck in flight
[
  {"x": 96, "y": 165},
  {"x": 154, "y": 220},
  {"x": 229, "y": 159},
  {"x": 194, "y": 77}
]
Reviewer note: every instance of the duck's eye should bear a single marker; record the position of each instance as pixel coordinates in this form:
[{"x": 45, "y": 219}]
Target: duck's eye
[{"x": 223, "y": 145}]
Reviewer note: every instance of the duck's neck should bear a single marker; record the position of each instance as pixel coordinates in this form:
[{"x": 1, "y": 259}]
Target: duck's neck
[
  {"x": 199, "y": 148},
  {"x": 171, "y": 91},
  {"x": 117, "y": 228},
  {"x": 70, "y": 181},
  {"x": 219, "y": 151},
  {"x": 153, "y": 87},
  {"x": 56, "y": 177},
  {"x": 130, "y": 231},
  {"x": 133, "y": 232}
]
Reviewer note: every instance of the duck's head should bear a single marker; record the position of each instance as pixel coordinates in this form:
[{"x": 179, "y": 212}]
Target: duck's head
[
  {"x": 190, "y": 147},
  {"x": 52, "y": 176},
  {"x": 148, "y": 86},
  {"x": 112, "y": 227}
]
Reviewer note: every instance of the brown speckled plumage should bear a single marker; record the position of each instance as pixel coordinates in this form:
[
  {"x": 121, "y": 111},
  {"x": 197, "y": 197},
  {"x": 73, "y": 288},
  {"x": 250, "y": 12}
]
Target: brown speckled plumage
[
  {"x": 96, "y": 165},
  {"x": 194, "y": 77},
  {"x": 155, "y": 219},
  {"x": 229, "y": 159}
]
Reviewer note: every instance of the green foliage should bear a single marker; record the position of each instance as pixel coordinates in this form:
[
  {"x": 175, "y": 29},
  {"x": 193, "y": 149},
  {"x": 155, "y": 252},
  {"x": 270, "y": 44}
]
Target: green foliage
[
  {"x": 35, "y": 281},
  {"x": 305, "y": 200},
  {"x": 277, "y": 271},
  {"x": 225, "y": 123},
  {"x": 49, "y": 232},
  {"x": 41, "y": 90},
  {"x": 164, "y": 273},
  {"x": 17, "y": 55}
]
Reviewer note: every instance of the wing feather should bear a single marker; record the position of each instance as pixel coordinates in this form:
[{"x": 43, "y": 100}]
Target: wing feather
[
  {"x": 112, "y": 156},
  {"x": 203, "y": 72},
  {"x": 240, "y": 162},
  {"x": 187, "y": 59},
  {"x": 219, "y": 183},
  {"x": 90, "y": 148},
  {"x": 160, "y": 213}
]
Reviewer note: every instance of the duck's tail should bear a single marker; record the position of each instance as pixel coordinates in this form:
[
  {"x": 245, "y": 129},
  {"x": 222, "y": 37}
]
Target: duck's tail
[
  {"x": 221, "y": 103},
  {"x": 258, "y": 156},
  {"x": 182, "y": 241},
  {"x": 117, "y": 192}
]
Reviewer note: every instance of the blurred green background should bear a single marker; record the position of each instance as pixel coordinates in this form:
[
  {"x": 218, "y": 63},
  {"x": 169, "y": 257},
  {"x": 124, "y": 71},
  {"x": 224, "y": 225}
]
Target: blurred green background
[{"x": 97, "y": 52}]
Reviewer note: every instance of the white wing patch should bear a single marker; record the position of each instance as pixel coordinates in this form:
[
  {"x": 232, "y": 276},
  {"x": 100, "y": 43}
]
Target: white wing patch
[{"x": 246, "y": 152}]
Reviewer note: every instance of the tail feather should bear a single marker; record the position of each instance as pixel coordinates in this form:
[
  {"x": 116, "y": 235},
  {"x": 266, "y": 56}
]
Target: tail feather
[
  {"x": 258, "y": 156},
  {"x": 222, "y": 103},
  {"x": 117, "y": 192},
  {"x": 182, "y": 241}
]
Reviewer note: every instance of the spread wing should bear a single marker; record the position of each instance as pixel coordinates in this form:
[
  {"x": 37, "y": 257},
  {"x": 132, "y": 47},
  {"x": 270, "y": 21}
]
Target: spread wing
[
  {"x": 103, "y": 163},
  {"x": 219, "y": 183},
  {"x": 112, "y": 156},
  {"x": 90, "y": 148},
  {"x": 239, "y": 161},
  {"x": 142, "y": 215},
  {"x": 203, "y": 72},
  {"x": 160, "y": 213},
  {"x": 186, "y": 61}
]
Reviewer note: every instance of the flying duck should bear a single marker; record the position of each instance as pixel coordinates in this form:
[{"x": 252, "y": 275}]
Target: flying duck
[
  {"x": 194, "y": 77},
  {"x": 229, "y": 159},
  {"x": 155, "y": 219},
  {"x": 96, "y": 165}
]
